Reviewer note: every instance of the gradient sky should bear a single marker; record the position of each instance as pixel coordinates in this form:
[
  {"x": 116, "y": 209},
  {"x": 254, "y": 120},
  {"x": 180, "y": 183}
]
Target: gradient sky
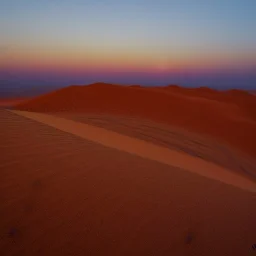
[{"x": 190, "y": 42}]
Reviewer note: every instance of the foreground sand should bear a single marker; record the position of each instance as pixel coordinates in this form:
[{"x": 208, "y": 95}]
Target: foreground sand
[
  {"x": 143, "y": 149},
  {"x": 63, "y": 195}
]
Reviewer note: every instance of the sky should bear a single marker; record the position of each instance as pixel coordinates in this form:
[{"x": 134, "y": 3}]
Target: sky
[{"x": 187, "y": 42}]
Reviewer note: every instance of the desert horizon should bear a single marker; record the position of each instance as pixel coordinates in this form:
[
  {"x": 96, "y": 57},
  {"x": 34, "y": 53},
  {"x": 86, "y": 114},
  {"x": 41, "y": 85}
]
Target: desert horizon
[{"x": 128, "y": 128}]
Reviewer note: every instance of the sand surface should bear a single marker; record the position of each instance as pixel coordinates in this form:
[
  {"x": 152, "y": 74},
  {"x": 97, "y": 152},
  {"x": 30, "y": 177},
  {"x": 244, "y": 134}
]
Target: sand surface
[
  {"x": 142, "y": 148},
  {"x": 10, "y": 102},
  {"x": 64, "y": 195},
  {"x": 178, "y": 139},
  {"x": 229, "y": 117}
]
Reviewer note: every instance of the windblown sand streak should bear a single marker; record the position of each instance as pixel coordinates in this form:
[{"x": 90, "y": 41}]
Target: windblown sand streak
[
  {"x": 142, "y": 149},
  {"x": 171, "y": 137}
]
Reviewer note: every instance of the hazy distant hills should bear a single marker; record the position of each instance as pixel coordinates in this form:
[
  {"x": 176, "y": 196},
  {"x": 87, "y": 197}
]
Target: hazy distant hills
[
  {"x": 13, "y": 89},
  {"x": 22, "y": 85}
]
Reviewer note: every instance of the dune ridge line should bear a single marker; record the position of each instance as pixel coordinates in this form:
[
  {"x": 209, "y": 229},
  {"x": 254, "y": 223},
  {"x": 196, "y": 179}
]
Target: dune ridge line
[
  {"x": 143, "y": 149},
  {"x": 229, "y": 117}
]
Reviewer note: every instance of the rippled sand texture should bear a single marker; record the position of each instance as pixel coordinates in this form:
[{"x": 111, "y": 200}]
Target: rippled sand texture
[
  {"x": 178, "y": 139},
  {"x": 63, "y": 195}
]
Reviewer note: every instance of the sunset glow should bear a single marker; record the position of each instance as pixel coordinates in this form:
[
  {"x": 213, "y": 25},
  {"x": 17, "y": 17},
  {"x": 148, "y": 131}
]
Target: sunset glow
[{"x": 110, "y": 37}]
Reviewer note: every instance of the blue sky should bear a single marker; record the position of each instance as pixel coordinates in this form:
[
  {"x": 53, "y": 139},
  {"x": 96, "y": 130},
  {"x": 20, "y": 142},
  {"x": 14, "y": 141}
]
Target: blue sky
[{"x": 46, "y": 38}]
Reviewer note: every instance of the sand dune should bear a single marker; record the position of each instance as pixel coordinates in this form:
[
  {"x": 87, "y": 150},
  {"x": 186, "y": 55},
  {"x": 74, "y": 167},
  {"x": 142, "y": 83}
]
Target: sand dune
[
  {"x": 178, "y": 139},
  {"x": 143, "y": 149},
  {"x": 9, "y": 102},
  {"x": 63, "y": 195},
  {"x": 227, "y": 116}
]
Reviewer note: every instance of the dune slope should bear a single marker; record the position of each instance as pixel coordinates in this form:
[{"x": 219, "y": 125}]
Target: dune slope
[
  {"x": 228, "y": 116},
  {"x": 57, "y": 198}
]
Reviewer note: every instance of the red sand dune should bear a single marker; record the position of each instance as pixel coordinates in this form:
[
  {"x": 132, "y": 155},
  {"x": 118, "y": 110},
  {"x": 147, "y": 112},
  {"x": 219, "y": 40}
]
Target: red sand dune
[
  {"x": 136, "y": 86},
  {"x": 64, "y": 195},
  {"x": 229, "y": 116},
  {"x": 9, "y": 102}
]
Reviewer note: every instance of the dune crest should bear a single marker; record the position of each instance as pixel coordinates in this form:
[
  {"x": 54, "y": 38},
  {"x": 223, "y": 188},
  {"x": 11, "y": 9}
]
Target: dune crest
[
  {"x": 229, "y": 116},
  {"x": 143, "y": 149}
]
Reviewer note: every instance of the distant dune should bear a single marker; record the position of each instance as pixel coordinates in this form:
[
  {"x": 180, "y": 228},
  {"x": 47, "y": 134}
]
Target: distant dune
[
  {"x": 9, "y": 102},
  {"x": 253, "y": 92},
  {"x": 229, "y": 116}
]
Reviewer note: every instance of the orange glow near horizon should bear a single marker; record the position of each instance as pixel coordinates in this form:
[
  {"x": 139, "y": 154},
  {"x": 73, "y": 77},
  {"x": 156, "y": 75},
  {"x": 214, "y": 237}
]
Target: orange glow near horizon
[
  {"x": 93, "y": 59},
  {"x": 128, "y": 41}
]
